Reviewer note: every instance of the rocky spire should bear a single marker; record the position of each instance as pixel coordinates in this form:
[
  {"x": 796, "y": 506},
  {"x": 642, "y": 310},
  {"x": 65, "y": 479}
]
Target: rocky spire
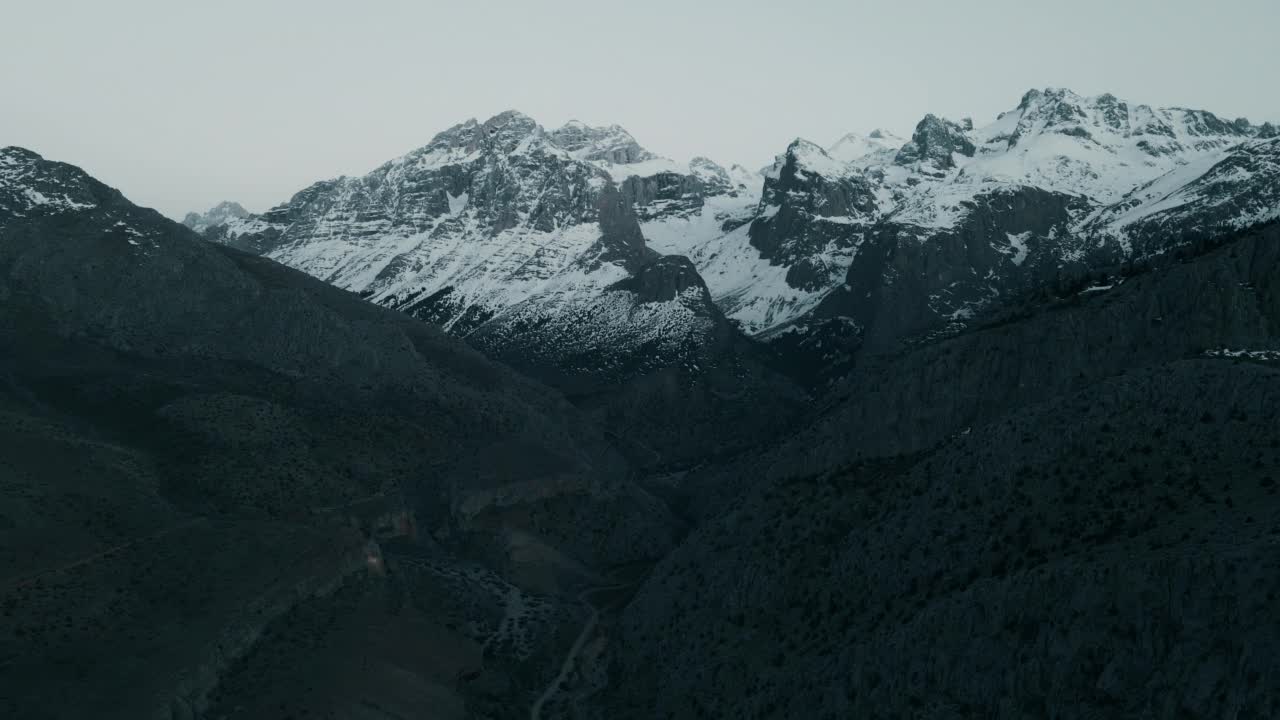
[{"x": 934, "y": 140}]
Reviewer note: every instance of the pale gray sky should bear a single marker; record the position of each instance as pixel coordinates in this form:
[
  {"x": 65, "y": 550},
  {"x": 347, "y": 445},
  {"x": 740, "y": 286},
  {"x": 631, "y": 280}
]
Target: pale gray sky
[{"x": 183, "y": 104}]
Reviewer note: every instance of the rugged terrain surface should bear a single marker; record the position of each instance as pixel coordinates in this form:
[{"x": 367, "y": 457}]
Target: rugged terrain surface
[
  {"x": 197, "y": 439},
  {"x": 1069, "y": 512}
]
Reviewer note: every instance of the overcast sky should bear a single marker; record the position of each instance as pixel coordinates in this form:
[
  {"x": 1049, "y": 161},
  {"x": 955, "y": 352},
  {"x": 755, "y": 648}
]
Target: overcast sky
[{"x": 182, "y": 104}]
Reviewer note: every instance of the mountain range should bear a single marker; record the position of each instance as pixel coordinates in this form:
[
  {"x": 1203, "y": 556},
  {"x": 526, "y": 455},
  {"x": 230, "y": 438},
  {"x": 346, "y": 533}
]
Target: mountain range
[
  {"x": 863, "y": 245},
  {"x": 538, "y": 423}
]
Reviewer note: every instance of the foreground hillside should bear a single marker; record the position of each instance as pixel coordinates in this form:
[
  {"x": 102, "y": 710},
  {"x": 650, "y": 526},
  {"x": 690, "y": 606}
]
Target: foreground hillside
[{"x": 197, "y": 440}]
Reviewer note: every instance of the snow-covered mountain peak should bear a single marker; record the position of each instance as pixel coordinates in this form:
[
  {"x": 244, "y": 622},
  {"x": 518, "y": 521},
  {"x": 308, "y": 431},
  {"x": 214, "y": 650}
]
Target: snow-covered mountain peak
[
  {"x": 17, "y": 165},
  {"x": 493, "y": 215},
  {"x": 877, "y": 146},
  {"x": 509, "y": 132},
  {"x": 1035, "y": 181},
  {"x": 1100, "y": 146},
  {"x": 804, "y": 156},
  {"x": 459, "y": 135},
  {"x": 12, "y": 155},
  {"x": 502, "y": 137},
  {"x": 29, "y": 183},
  {"x": 614, "y": 150},
  {"x": 709, "y": 172},
  {"x": 1104, "y": 118},
  {"x": 612, "y": 143},
  {"x": 219, "y": 214},
  {"x": 935, "y": 145}
]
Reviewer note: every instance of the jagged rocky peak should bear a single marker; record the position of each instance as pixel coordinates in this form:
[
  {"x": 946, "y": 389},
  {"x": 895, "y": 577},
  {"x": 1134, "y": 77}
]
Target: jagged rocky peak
[
  {"x": 219, "y": 214},
  {"x": 503, "y": 133},
  {"x": 13, "y": 159},
  {"x": 1062, "y": 111},
  {"x": 710, "y": 173},
  {"x": 506, "y": 131},
  {"x": 936, "y": 140},
  {"x": 461, "y": 135},
  {"x": 809, "y": 202},
  {"x": 803, "y": 157},
  {"x": 805, "y": 176},
  {"x": 1163, "y": 130},
  {"x": 610, "y": 143},
  {"x": 31, "y": 184}
]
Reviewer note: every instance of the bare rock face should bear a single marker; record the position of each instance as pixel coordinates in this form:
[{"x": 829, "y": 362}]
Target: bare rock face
[
  {"x": 620, "y": 241},
  {"x": 665, "y": 194},
  {"x": 936, "y": 141},
  {"x": 665, "y": 279},
  {"x": 812, "y": 207},
  {"x": 907, "y": 282}
]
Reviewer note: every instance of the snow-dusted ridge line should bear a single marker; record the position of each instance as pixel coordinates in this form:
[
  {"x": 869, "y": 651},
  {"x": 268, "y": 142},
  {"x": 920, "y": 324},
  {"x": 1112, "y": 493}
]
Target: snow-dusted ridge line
[
  {"x": 1269, "y": 355},
  {"x": 24, "y": 189},
  {"x": 769, "y": 249},
  {"x": 1127, "y": 165},
  {"x": 498, "y": 225}
]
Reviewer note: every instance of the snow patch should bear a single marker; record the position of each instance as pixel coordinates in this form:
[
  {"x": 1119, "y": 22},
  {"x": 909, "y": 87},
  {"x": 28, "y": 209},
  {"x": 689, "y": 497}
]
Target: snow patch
[
  {"x": 457, "y": 203},
  {"x": 1018, "y": 245},
  {"x": 1271, "y": 355}
]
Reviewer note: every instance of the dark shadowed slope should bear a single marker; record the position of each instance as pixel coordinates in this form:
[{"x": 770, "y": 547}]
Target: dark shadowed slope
[
  {"x": 185, "y": 427},
  {"x": 1072, "y": 513}
]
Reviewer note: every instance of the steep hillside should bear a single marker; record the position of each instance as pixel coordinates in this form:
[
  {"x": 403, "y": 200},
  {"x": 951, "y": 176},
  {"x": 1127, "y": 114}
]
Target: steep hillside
[
  {"x": 1110, "y": 552},
  {"x": 198, "y": 439},
  {"x": 1075, "y": 508}
]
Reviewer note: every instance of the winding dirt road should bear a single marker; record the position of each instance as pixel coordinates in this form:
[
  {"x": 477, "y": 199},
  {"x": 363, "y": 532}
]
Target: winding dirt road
[{"x": 570, "y": 660}]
